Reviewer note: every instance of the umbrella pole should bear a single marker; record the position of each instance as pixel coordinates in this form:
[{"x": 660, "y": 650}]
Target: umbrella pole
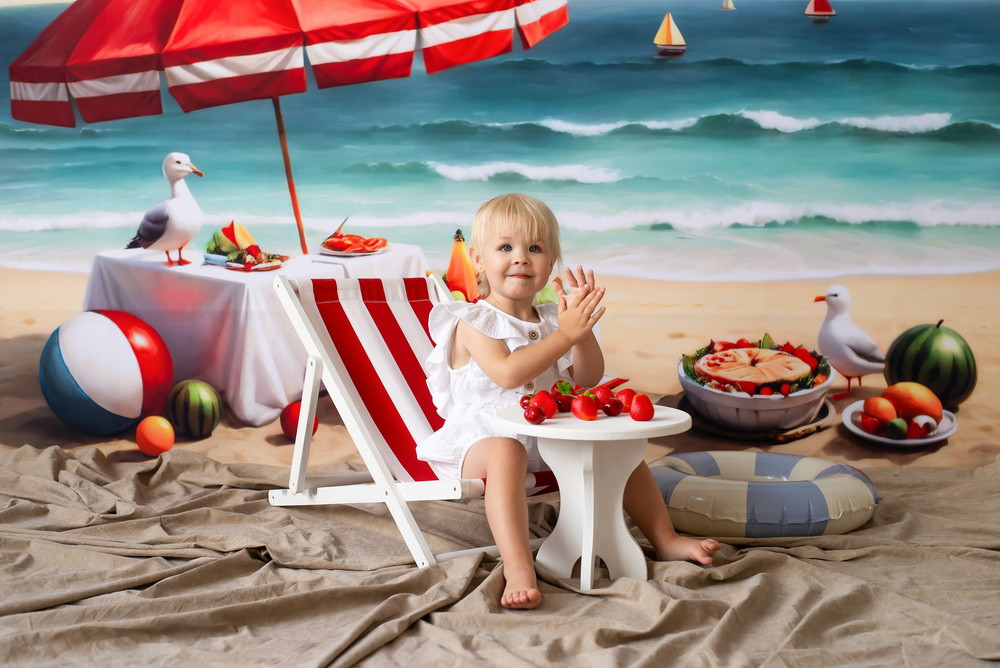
[{"x": 288, "y": 173}]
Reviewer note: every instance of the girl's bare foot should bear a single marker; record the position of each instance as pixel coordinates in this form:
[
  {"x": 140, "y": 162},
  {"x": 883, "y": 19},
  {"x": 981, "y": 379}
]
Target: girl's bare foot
[
  {"x": 521, "y": 591},
  {"x": 682, "y": 548}
]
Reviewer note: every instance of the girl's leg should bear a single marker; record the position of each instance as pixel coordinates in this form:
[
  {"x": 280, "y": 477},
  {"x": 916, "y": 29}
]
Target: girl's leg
[
  {"x": 504, "y": 463},
  {"x": 643, "y": 503}
]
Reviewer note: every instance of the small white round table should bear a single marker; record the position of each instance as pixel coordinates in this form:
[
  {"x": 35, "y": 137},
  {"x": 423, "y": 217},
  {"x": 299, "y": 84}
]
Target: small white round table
[{"x": 592, "y": 460}]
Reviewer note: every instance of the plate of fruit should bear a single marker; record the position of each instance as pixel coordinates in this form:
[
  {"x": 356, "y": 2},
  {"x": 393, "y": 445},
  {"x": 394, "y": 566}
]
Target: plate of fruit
[
  {"x": 352, "y": 245},
  {"x": 906, "y": 415}
]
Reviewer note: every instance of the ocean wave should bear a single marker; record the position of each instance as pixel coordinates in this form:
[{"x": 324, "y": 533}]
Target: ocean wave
[
  {"x": 93, "y": 220},
  {"x": 35, "y": 131},
  {"x": 926, "y": 214},
  {"x": 490, "y": 171},
  {"x": 791, "y": 66},
  {"x": 913, "y": 124},
  {"x": 935, "y": 125},
  {"x": 764, "y": 214}
]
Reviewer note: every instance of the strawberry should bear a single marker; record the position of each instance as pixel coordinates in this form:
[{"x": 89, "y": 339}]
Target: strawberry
[
  {"x": 613, "y": 383},
  {"x": 602, "y": 394},
  {"x": 869, "y": 424},
  {"x": 806, "y": 357},
  {"x": 747, "y": 386},
  {"x": 544, "y": 400},
  {"x": 534, "y": 415},
  {"x": 786, "y": 389},
  {"x": 625, "y": 396},
  {"x": 613, "y": 407},
  {"x": 562, "y": 387},
  {"x": 642, "y": 408},
  {"x": 584, "y": 406},
  {"x": 766, "y": 391}
]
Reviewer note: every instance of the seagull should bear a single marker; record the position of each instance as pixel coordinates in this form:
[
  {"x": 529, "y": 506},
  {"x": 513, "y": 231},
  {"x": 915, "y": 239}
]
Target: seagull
[
  {"x": 171, "y": 224},
  {"x": 850, "y": 351}
]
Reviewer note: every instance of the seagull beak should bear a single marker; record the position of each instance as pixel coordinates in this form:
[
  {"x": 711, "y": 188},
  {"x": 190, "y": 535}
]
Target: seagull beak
[
  {"x": 195, "y": 170},
  {"x": 821, "y": 298}
]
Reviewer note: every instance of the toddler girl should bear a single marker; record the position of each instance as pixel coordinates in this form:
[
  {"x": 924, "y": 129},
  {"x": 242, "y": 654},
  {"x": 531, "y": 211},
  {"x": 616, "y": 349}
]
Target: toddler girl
[{"x": 489, "y": 353}]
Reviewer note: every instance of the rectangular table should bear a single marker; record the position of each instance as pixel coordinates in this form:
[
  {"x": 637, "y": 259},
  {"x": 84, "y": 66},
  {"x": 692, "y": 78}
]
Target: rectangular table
[{"x": 227, "y": 327}]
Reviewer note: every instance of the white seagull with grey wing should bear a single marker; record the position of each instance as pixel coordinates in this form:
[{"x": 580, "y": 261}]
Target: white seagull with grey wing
[
  {"x": 850, "y": 350},
  {"x": 172, "y": 223}
]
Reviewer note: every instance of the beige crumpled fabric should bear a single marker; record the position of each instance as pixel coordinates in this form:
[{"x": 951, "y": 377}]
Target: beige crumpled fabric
[{"x": 182, "y": 561}]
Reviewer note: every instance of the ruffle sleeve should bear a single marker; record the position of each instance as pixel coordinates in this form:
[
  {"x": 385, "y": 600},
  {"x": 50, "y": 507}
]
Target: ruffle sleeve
[
  {"x": 442, "y": 323},
  {"x": 490, "y": 321}
]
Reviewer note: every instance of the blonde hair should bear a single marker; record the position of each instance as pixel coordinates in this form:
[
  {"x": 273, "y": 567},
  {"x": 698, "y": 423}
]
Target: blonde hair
[
  {"x": 510, "y": 213},
  {"x": 517, "y": 213}
]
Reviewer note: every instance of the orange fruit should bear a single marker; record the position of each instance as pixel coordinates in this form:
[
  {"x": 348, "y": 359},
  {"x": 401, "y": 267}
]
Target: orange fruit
[
  {"x": 154, "y": 435},
  {"x": 879, "y": 408},
  {"x": 913, "y": 399}
]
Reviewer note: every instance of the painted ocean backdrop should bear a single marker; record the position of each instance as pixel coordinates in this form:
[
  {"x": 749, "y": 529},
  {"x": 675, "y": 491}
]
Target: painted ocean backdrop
[{"x": 775, "y": 149}]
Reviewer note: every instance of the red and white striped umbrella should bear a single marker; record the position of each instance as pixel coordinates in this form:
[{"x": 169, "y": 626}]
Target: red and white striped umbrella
[{"x": 108, "y": 56}]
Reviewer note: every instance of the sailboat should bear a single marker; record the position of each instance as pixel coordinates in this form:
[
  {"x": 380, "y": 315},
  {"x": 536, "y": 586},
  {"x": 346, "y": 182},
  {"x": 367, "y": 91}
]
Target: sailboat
[
  {"x": 820, "y": 11},
  {"x": 669, "y": 41},
  {"x": 728, "y": 4}
]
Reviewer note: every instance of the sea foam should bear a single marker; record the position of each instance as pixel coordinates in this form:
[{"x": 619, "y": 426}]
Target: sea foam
[{"x": 487, "y": 171}]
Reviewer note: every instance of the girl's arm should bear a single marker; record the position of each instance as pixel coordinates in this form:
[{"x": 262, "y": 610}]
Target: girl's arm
[
  {"x": 511, "y": 370},
  {"x": 588, "y": 362}
]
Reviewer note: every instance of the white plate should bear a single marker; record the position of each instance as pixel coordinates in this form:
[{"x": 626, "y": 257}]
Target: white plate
[
  {"x": 236, "y": 266},
  {"x": 333, "y": 253},
  {"x": 947, "y": 427}
]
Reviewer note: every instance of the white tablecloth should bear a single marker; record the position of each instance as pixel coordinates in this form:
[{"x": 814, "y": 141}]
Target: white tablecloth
[{"x": 225, "y": 327}]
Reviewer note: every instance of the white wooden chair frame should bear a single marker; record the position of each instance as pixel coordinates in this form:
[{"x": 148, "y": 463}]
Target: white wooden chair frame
[{"x": 380, "y": 484}]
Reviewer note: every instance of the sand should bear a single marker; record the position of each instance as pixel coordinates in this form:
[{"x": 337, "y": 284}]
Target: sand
[{"x": 648, "y": 326}]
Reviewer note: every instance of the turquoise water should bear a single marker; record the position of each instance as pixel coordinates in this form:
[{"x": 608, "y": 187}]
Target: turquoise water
[{"x": 774, "y": 149}]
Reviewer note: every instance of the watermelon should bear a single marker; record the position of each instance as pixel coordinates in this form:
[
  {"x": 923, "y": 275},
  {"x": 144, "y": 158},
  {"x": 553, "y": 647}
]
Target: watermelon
[
  {"x": 935, "y": 356},
  {"x": 193, "y": 408}
]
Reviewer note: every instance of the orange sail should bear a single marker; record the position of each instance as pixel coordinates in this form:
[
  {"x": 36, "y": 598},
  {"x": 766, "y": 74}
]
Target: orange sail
[
  {"x": 461, "y": 276},
  {"x": 669, "y": 41}
]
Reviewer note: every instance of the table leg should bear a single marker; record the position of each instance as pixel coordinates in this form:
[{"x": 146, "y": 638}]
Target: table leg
[{"x": 591, "y": 522}]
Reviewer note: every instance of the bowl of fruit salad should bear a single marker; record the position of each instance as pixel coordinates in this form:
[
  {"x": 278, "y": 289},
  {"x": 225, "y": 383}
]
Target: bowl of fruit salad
[{"x": 755, "y": 386}]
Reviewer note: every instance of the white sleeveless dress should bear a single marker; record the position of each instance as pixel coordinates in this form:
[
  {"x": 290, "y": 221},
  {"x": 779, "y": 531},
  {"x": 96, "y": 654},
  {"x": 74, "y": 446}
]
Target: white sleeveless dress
[{"x": 466, "y": 397}]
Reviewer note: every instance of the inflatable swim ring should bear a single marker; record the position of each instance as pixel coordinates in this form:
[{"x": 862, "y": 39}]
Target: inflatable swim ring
[{"x": 763, "y": 494}]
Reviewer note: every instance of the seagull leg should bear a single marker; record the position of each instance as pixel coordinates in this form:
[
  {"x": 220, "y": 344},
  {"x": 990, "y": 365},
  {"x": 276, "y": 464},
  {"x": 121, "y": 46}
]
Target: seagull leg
[
  {"x": 181, "y": 260},
  {"x": 170, "y": 262},
  {"x": 838, "y": 397}
]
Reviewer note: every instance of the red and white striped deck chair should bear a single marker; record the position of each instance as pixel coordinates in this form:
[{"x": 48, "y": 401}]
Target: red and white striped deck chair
[{"x": 366, "y": 340}]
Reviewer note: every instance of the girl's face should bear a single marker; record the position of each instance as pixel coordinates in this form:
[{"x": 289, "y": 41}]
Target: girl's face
[{"x": 516, "y": 267}]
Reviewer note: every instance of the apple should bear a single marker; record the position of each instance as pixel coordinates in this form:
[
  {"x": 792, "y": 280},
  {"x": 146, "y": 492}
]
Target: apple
[{"x": 290, "y": 420}]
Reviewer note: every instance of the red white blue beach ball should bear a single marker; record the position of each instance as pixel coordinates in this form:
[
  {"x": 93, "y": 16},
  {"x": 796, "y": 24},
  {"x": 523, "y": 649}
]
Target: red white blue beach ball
[{"x": 102, "y": 370}]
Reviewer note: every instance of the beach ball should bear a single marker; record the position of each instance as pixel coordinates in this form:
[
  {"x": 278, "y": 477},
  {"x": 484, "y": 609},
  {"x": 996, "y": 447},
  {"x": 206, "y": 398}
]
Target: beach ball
[
  {"x": 154, "y": 435},
  {"x": 290, "y": 420},
  {"x": 194, "y": 408},
  {"x": 101, "y": 370}
]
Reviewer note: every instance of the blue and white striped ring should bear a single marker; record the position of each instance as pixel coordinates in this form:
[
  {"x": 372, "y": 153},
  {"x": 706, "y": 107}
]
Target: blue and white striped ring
[{"x": 763, "y": 494}]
